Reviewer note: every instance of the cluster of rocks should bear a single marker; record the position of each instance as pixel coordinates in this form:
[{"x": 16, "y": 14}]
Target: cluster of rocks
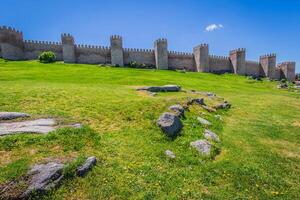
[
  {"x": 171, "y": 124},
  {"x": 37, "y": 126},
  {"x": 42, "y": 178},
  {"x": 282, "y": 85}
]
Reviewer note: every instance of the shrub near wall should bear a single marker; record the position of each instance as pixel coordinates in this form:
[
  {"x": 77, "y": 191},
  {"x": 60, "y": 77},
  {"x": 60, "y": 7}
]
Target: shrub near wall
[{"x": 47, "y": 57}]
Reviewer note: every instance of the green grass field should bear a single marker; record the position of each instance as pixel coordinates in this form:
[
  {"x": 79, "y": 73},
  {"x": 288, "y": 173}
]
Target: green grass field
[{"x": 260, "y": 148}]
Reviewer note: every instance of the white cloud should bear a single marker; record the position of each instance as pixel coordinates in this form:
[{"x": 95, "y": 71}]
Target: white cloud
[{"x": 213, "y": 27}]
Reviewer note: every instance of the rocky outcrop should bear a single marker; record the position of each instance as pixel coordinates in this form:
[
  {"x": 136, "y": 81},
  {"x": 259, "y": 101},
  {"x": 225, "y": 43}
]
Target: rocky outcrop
[
  {"x": 198, "y": 101},
  {"x": 177, "y": 109},
  {"x": 224, "y": 105},
  {"x": 209, "y": 135},
  {"x": 43, "y": 178},
  {"x": 40, "y": 179},
  {"x": 165, "y": 88},
  {"x": 12, "y": 115},
  {"x": 170, "y": 124},
  {"x": 86, "y": 166},
  {"x": 203, "y": 121},
  {"x": 202, "y": 146},
  {"x": 170, "y": 154}
]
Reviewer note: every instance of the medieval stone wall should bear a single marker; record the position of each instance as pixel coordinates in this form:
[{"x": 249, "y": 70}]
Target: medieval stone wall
[
  {"x": 141, "y": 56},
  {"x": 219, "y": 64},
  {"x": 92, "y": 54},
  {"x": 32, "y": 49},
  {"x": 13, "y": 47},
  {"x": 181, "y": 60},
  {"x": 253, "y": 68}
]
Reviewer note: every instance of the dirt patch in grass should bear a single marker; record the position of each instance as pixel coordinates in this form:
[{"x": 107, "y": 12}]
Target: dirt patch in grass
[
  {"x": 5, "y": 157},
  {"x": 296, "y": 123},
  {"x": 284, "y": 148}
]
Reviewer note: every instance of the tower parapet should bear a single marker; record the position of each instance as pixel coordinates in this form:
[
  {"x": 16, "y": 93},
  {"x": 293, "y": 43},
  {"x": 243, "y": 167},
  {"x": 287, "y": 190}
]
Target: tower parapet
[
  {"x": 116, "y": 50},
  {"x": 68, "y": 48},
  {"x": 268, "y": 66},
  {"x": 201, "y": 55},
  {"x": 161, "y": 53},
  {"x": 288, "y": 70},
  {"x": 238, "y": 60},
  {"x": 11, "y": 43}
]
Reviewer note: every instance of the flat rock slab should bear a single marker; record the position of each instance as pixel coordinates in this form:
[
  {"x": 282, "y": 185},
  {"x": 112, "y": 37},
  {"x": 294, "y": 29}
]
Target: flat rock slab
[
  {"x": 87, "y": 165},
  {"x": 165, "y": 88},
  {"x": 170, "y": 154},
  {"x": 170, "y": 124},
  {"x": 203, "y": 121},
  {"x": 12, "y": 115},
  {"x": 209, "y": 135},
  {"x": 202, "y": 146},
  {"x": 38, "y": 126},
  {"x": 43, "y": 178}
]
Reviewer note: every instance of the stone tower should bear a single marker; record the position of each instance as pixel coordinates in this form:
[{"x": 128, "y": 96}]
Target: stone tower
[
  {"x": 268, "y": 66},
  {"x": 161, "y": 53},
  {"x": 68, "y": 47},
  {"x": 238, "y": 61},
  {"x": 11, "y": 43},
  {"x": 288, "y": 70},
  {"x": 116, "y": 50},
  {"x": 201, "y": 55}
]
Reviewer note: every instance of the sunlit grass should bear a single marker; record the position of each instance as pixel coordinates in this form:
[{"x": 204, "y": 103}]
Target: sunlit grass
[{"x": 259, "y": 158}]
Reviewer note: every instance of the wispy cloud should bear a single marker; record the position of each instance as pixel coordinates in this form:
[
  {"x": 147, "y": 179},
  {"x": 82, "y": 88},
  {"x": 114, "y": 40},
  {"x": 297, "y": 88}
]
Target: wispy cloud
[{"x": 213, "y": 27}]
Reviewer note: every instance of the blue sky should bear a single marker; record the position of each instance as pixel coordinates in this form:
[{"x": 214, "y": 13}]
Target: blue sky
[{"x": 264, "y": 26}]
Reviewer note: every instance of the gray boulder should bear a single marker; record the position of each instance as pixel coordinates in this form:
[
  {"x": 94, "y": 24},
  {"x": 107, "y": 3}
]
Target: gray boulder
[
  {"x": 199, "y": 101},
  {"x": 87, "y": 165},
  {"x": 203, "y": 121},
  {"x": 202, "y": 146},
  {"x": 177, "y": 109},
  {"x": 170, "y": 124},
  {"x": 170, "y": 154},
  {"x": 223, "y": 105},
  {"x": 209, "y": 135},
  {"x": 165, "y": 88},
  {"x": 12, "y": 115},
  {"x": 43, "y": 178}
]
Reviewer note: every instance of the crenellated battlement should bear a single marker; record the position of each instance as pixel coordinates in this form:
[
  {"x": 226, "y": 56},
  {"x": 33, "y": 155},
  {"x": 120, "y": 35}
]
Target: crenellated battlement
[
  {"x": 10, "y": 29},
  {"x": 161, "y": 40},
  {"x": 178, "y": 53},
  {"x": 67, "y": 38},
  {"x": 272, "y": 55},
  {"x": 138, "y": 50},
  {"x": 10, "y": 35},
  {"x": 116, "y": 37},
  {"x": 92, "y": 47},
  {"x": 238, "y": 50},
  {"x": 219, "y": 57},
  {"x": 41, "y": 42},
  {"x": 204, "y": 45},
  {"x": 287, "y": 63}
]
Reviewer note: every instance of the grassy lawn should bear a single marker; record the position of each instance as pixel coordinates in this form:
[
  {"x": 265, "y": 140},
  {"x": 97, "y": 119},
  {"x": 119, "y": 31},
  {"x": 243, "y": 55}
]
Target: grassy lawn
[{"x": 260, "y": 148}]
